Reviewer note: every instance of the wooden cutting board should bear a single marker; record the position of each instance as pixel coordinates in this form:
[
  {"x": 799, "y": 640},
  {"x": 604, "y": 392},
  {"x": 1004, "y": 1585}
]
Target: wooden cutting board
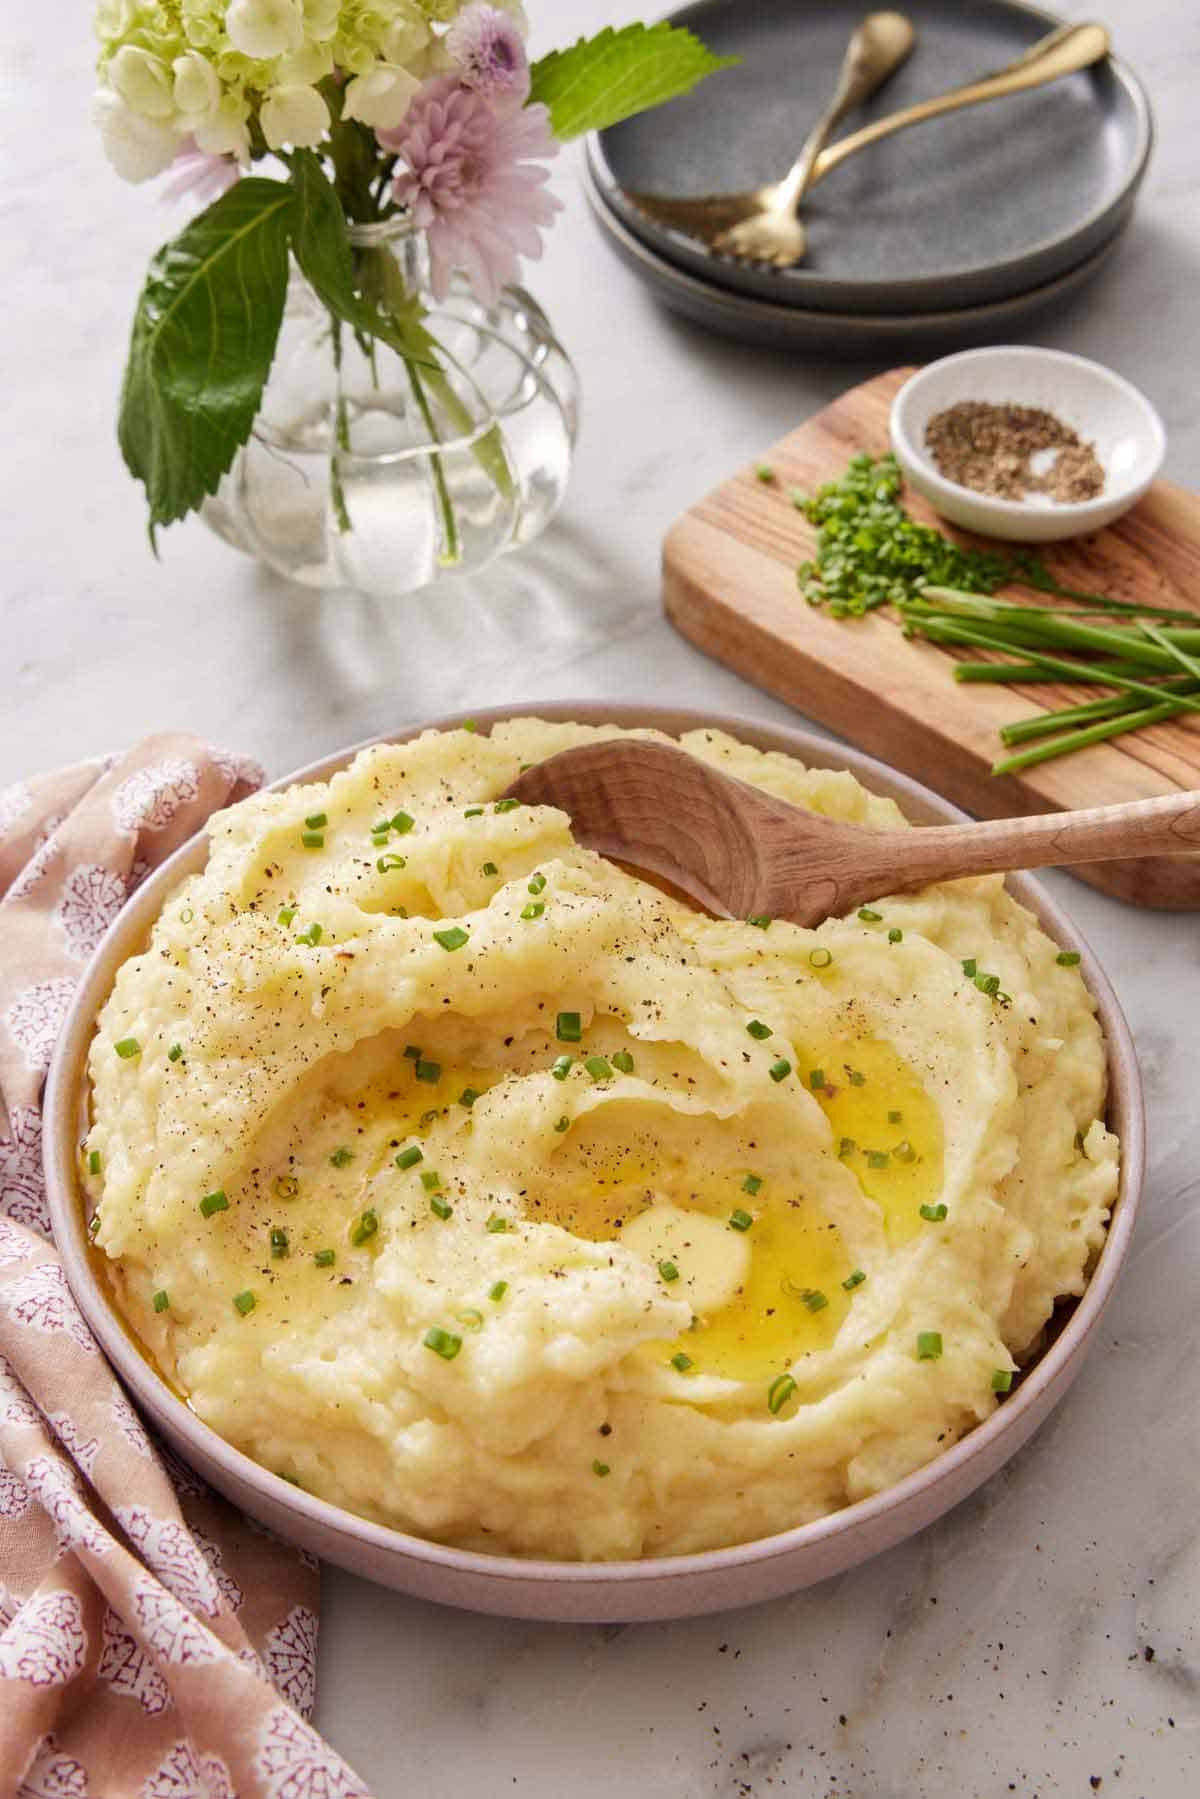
[{"x": 729, "y": 585}]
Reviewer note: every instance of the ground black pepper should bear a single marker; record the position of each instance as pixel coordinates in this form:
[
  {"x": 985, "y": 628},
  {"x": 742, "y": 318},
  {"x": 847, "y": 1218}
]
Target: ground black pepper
[{"x": 991, "y": 449}]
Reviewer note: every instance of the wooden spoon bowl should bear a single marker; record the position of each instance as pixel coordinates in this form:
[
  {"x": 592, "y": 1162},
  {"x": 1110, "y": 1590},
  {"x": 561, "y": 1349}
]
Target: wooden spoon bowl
[{"x": 742, "y": 853}]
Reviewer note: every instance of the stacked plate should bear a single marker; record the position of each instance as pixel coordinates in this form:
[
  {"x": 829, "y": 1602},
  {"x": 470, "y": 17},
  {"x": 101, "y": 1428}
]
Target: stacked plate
[{"x": 953, "y": 232}]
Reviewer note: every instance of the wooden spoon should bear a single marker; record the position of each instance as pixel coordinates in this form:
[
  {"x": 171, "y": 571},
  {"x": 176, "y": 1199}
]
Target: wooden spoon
[{"x": 741, "y": 853}]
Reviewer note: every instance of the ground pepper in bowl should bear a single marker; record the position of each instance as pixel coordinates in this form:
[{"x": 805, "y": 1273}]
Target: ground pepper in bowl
[{"x": 991, "y": 448}]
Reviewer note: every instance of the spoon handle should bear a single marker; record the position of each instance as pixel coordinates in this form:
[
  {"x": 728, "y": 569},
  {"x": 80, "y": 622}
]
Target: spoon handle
[
  {"x": 1169, "y": 826},
  {"x": 1063, "y": 52},
  {"x": 877, "y": 48}
]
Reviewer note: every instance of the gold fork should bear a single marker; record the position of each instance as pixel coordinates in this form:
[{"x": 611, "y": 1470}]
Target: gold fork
[
  {"x": 775, "y": 235},
  {"x": 709, "y": 217}
]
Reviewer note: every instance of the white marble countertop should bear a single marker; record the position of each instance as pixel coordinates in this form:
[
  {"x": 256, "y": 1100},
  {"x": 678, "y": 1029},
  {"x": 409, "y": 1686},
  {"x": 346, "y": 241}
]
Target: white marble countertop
[{"x": 1043, "y": 1638}]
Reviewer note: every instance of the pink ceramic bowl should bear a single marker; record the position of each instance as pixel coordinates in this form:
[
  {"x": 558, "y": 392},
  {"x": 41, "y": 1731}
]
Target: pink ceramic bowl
[{"x": 675, "y": 1587}]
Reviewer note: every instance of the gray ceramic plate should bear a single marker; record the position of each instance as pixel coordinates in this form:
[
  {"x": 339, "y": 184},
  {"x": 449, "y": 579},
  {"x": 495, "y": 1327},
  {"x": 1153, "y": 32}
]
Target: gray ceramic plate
[
  {"x": 668, "y": 1587},
  {"x": 981, "y": 206},
  {"x": 778, "y": 325}
]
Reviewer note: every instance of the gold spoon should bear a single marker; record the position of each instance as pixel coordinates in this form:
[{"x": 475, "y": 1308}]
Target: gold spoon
[
  {"x": 710, "y": 216},
  {"x": 741, "y": 853},
  {"x": 775, "y": 235}
]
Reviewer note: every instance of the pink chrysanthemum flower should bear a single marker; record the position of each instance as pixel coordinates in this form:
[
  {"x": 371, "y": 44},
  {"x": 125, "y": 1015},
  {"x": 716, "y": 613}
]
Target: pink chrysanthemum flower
[
  {"x": 199, "y": 176},
  {"x": 473, "y": 183},
  {"x": 489, "y": 52}
]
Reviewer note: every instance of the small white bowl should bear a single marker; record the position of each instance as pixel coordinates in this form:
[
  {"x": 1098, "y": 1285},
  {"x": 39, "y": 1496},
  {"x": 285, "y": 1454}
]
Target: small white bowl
[{"x": 1106, "y": 411}]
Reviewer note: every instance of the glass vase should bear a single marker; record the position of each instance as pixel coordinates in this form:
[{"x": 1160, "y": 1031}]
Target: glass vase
[{"x": 364, "y": 470}]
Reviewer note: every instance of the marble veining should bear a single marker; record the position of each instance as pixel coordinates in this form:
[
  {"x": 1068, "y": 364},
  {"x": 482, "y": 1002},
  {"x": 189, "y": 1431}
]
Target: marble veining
[{"x": 1042, "y": 1639}]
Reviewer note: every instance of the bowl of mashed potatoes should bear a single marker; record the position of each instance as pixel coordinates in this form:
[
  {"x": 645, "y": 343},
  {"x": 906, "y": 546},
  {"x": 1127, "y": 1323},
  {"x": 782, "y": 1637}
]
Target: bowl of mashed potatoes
[{"x": 495, "y": 1224}]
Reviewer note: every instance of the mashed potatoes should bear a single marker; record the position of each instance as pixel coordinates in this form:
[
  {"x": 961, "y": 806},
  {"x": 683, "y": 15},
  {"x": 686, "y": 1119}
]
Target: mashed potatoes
[{"x": 485, "y": 1190}]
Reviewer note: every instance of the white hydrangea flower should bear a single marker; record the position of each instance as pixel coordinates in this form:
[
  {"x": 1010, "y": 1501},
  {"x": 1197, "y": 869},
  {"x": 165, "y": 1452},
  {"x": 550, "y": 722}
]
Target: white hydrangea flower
[
  {"x": 294, "y": 115},
  {"x": 225, "y": 132},
  {"x": 320, "y": 19},
  {"x": 406, "y": 35},
  {"x": 197, "y": 85},
  {"x": 264, "y": 29},
  {"x": 381, "y": 97},
  {"x": 304, "y": 67},
  {"x": 137, "y": 147},
  {"x": 143, "y": 81}
]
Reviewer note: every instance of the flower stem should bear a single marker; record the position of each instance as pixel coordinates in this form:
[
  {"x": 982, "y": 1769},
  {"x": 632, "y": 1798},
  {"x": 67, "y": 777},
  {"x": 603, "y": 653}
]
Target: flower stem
[
  {"x": 451, "y": 554},
  {"x": 341, "y": 433}
]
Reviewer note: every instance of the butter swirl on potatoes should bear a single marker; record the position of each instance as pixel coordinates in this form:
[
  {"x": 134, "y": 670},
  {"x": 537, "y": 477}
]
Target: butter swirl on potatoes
[{"x": 475, "y": 1185}]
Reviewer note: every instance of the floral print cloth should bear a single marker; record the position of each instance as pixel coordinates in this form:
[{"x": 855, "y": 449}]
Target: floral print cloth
[{"x": 154, "y": 1643}]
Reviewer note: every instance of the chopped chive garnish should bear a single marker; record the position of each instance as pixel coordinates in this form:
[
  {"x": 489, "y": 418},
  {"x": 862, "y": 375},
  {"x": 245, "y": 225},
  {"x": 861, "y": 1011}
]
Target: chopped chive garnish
[
  {"x": 622, "y": 1059},
  {"x": 752, "y": 1183},
  {"x": 668, "y": 1271},
  {"x": 93, "y": 1224},
  {"x": 816, "y": 1079},
  {"x": 160, "y": 1302},
  {"x": 316, "y": 820},
  {"x": 497, "y": 1224},
  {"x": 934, "y": 1214},
  {"x": 681, "y": 1362},
  {"x": 601, "y": 1468},
  {"x": 408, "y": 1158},
  {"x": 342, "y": 1157},
  {"x": 313, "y": 840},
  {"x": 127, "y": 1048},
  {"x": 452, "y": 938},
  {"x": 427, "y": 1118},
  {"x": 904, "y": 1151},
  {"x": 760, "y": 922},
  {"x": 94, "y": 1162},
  {"x": 564, "y": 1124},
  {"x": 443, "y": 1343},
  {"x": 174, "y": 1053},
  {"x": 764, "y": 472},
  {"x": 279, "y": 1244},
  {"x": 431, "y": 1180},
  {"x": 820, "y": 957},
  {"x": 970, "y": 967},
  {"x": 740, "y": 1220},
  {"x": 779, "y": 1392},
  {"x": 468, "y": 1096},
  {"x": 364, "y": 1227},
  {"x": 471, "y": 1318},
  {"x": 214, "y": 1202},
  {"x": 469, "y": 724},
  {"x": 780, "y": 1070},
  {"x": 413, "y": 1052},
  {"x": 497, "y": 1291},
  {"x": 1002, "y": 1380},
  {"x": 599, "y": 1068},
  {"x": 285, "y": 915},
  {"x": 187, "y": 915},
  {"x": 489, "y": 868},
  {"x": 473, "y": 812},
  {"x": 325, "y": 1258},
  {"x": 244, "y": 1302},
  {"x": 379, "y": 838},
  {"x": 895, "y": 1117},
  {"x": 929, "y": 1346},
  {"x": 813, "y": 1299},
  {"x": 895, "y": 935},
  {"x": 429, "y": 1072},
  {"x": 537, "y": 884},
  {"x": 568, "y": 1027},
  {"x": 402, "y": 823},
  {"x": 856, "y": 1077},
  {"x": 1067, "y": 958},
  {"x": 758, "y": 1029},
  {"x": 868, "y": 916},
  {"x": 561, "y": 1067},
  {"x": 534, "y": 909},
  {"x": 440, "y": 1207},
  {"x": 387, "y": 864},
  {"x": 847, "y": 1146},
  {"x": 312, "y": 936},
  {"x": 854, "y": 1280},
  {"x": 506, "y": 805},
  {"x": 878, "y": 1158}
]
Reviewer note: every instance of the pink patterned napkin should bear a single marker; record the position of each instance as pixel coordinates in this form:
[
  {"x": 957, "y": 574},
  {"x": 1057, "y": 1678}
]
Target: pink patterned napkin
[{"x": 154, "y": 1644}]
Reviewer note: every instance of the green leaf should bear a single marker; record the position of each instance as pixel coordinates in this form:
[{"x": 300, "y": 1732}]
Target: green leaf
[
  {"x": 609, "y": 77},
  {"x": 319, "y": 241},
  {"x": 203, "y": 338}
]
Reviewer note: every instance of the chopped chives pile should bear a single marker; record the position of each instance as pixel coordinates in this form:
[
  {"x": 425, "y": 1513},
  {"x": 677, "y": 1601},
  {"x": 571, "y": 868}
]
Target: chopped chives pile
[{"x": 870, "y": 553}]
